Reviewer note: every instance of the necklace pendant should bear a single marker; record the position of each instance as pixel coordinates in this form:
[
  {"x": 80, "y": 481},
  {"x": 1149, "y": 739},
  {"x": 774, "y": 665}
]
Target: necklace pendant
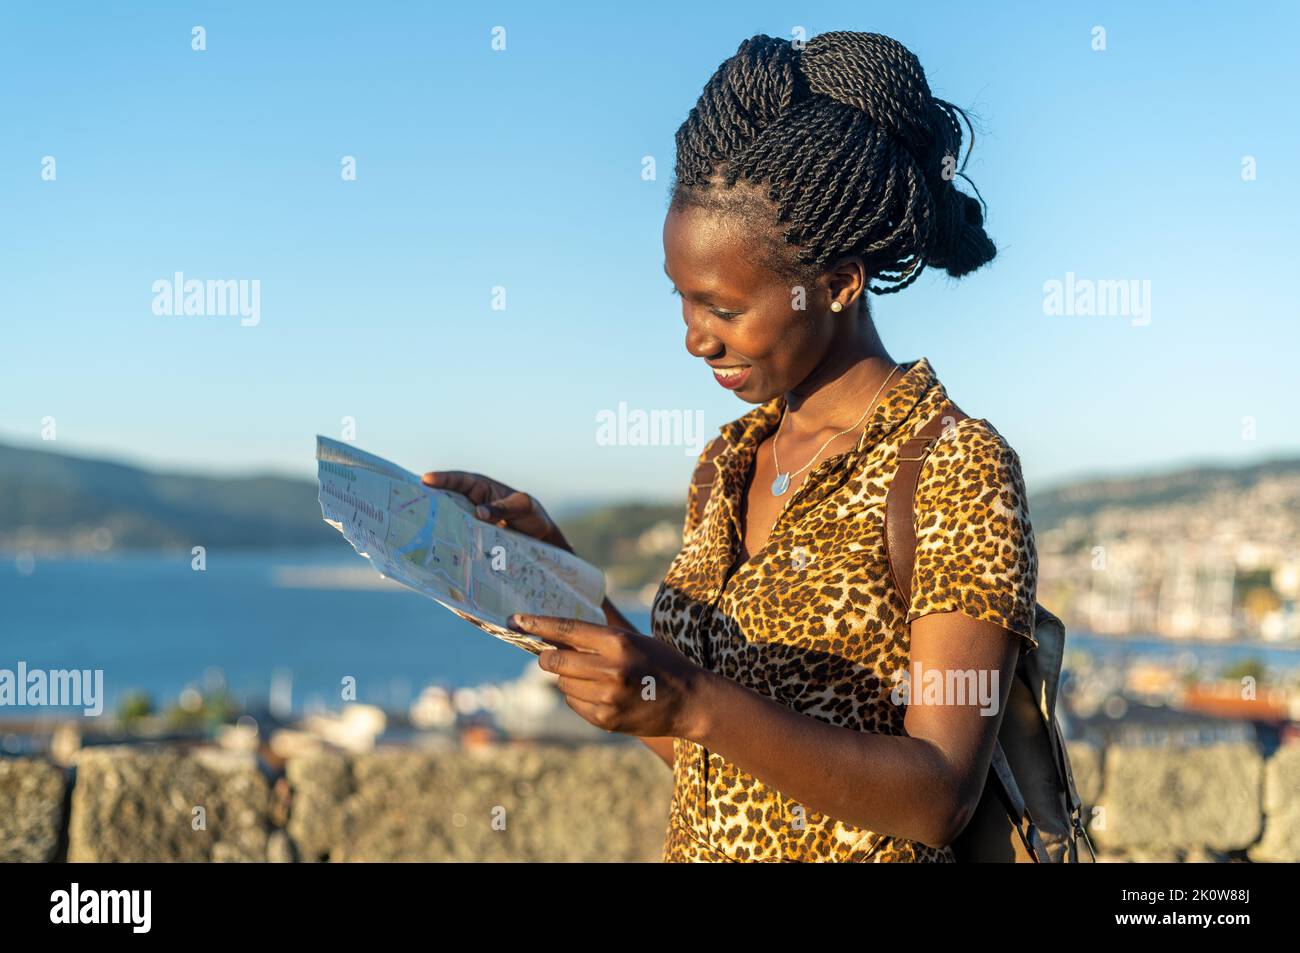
[{"x": 780, "y": 484}]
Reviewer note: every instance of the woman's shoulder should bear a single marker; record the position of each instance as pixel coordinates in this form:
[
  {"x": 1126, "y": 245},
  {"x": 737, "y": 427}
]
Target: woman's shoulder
[
  {"x": 974, "y": 438},
  {"x": 975, "y": 543},
  {"x": 972, "y": 462},
  {"x": 965, "y": 438}
]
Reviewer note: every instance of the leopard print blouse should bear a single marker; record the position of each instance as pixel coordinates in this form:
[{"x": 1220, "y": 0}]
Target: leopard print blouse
[{"x": 813, "y": 619}]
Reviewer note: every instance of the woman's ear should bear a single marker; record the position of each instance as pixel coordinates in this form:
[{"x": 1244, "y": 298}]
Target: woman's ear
[{"x": 846, "y": 281}]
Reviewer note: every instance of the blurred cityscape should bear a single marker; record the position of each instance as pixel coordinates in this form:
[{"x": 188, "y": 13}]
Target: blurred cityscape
[{"x": 1221, "y": 563}]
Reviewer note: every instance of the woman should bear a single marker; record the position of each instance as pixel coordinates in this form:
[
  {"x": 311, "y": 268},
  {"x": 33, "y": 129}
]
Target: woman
[{"x": 804, "y": 179}]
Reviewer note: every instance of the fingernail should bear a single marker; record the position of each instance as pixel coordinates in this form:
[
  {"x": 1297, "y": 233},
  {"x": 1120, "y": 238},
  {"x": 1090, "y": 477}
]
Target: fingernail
[{"x": 481, "y": 512}]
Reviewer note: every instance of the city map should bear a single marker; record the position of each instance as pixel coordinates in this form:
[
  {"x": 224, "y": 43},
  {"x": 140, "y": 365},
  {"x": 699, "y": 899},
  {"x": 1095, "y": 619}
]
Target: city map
[{"x": 429, "y": 540}]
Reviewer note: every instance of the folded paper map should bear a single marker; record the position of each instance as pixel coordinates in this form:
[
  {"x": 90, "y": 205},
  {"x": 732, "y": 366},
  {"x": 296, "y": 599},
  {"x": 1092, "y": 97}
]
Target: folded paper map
[{"x": 429, "y": 540}]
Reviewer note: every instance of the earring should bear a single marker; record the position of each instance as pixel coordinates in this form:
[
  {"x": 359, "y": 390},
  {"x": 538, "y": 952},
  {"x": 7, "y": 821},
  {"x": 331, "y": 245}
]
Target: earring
[{"x": 836, "y": 306}]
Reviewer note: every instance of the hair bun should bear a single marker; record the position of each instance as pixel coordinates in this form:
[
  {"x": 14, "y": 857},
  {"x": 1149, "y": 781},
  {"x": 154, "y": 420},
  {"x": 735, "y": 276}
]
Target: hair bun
[
  {"x": 850, "y": 148},
  {"x": 875, "y": 74}
]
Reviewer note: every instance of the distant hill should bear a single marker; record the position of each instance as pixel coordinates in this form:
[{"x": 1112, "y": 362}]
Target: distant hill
[
  {"x": 632, "y": 542},
  {"x": 1084, "y": 499},
  {"x": 52, "y": 501}
]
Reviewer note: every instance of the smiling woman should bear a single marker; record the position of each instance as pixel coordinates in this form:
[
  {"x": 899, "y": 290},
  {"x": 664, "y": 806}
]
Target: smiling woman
[{"x": 806, "y": 178}]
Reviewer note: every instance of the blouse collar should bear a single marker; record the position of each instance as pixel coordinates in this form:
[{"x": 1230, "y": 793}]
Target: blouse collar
[{"x": 744, "y": 434}]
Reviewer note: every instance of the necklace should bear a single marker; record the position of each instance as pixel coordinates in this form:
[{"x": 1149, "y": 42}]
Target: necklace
[{"x": 782, "y": 481}]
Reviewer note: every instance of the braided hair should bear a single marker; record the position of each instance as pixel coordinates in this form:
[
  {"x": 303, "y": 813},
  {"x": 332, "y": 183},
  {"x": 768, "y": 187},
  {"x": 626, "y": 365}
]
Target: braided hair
[{"x": 857, "y": 156}]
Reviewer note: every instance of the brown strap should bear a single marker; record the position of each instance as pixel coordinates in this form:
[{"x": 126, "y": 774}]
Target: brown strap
[
  {"x": 1072, "y": 793},
  {"x": 900, "y": 502},
  {"x": 1018, "y": 811},
  {"x": 900, "y": 547},
  {"x": 706, "y": 473}
]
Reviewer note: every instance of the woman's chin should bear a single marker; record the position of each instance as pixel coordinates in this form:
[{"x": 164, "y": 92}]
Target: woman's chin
[{"x": 752, "y": 394}]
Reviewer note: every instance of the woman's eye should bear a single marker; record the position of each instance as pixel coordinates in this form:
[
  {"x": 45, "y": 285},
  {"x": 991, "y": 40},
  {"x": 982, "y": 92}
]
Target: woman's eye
[{"x": 716, "y": 312}]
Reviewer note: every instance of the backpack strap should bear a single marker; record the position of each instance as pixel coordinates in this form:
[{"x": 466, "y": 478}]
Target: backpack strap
[
  {"x": 900, "y": 547},
  {"x": 705, "y": 474},
  {"x": 1071, "y": 792},
  {"x": 900, "y": 501},
  {"x": 1017, "y": 810}
]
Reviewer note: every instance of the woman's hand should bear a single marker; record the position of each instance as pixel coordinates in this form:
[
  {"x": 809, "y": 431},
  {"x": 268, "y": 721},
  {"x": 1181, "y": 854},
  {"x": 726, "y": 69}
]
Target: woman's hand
[
  {"x": 619, "y": 680},
  {"x": 497, "y": 503}
]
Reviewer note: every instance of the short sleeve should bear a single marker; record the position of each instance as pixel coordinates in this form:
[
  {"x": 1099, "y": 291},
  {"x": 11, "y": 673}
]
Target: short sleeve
[{"x": 975, "y": 551}]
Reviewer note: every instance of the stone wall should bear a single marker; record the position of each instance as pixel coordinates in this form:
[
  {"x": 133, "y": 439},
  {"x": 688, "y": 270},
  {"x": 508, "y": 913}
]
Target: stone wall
[
  {"x": 129, "y": 803},
  {"x": 599, "y": 802},
  {"x": 1213, "y": 803}
]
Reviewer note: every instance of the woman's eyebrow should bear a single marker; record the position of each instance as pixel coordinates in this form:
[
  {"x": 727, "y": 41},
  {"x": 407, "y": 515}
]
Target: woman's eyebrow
[
  {"x": 708, "y": 297},
  {"x": 673, "y": 283}
]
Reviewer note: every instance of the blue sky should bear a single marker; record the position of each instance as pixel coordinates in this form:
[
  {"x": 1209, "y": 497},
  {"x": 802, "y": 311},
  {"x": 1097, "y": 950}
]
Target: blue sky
[{"x": 522, "y": 169}]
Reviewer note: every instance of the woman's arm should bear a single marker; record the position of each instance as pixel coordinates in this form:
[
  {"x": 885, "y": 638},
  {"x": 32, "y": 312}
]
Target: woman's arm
[
  {"x": 923, "y": 785},
  {"x": 663, "y": 747}
]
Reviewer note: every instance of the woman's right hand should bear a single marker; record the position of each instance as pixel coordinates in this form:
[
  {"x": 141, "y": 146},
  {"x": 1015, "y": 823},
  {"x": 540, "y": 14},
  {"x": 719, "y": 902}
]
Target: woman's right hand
[{"x": 497, "y": 503}]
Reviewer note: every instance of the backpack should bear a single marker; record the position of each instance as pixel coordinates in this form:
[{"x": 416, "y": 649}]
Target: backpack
[{"x": 1030, "y": 810}]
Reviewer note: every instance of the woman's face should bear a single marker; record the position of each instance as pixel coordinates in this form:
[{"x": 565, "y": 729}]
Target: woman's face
[{"x": 757, "y": 332}]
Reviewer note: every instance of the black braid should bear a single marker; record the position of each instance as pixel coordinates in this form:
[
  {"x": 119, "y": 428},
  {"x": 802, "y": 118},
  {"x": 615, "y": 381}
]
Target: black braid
[{"x": 851, "y": 145}]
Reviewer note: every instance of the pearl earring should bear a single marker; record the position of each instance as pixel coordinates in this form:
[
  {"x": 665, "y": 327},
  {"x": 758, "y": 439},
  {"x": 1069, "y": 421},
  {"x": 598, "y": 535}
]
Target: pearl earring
[{"x": 836, "y": 306}]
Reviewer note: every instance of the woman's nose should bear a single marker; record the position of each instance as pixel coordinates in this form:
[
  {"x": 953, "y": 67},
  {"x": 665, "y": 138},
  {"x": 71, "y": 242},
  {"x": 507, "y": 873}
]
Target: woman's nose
[{"x": 699, "y": 342}]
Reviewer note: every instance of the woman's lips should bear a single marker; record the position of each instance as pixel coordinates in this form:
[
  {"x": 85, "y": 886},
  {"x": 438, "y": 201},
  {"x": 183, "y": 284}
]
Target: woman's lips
[{"x": 732, "y": 377}]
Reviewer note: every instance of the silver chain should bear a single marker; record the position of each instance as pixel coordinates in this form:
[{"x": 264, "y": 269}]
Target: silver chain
[{"x": 871, "y": 406}]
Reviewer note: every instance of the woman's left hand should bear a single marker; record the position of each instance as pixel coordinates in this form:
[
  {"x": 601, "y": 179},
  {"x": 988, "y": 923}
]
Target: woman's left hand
[{"x": 618, "y": 680}]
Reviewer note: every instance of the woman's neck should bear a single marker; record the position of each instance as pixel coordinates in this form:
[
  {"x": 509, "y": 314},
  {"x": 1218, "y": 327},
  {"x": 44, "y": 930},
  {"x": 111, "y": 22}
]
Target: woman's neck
[{"x": 835, "y": 394}]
